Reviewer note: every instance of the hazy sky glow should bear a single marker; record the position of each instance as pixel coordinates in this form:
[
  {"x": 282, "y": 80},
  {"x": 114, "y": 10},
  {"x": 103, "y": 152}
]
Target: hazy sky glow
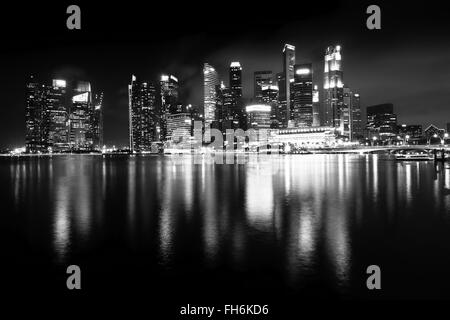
[{"x": 406, "y": 63}]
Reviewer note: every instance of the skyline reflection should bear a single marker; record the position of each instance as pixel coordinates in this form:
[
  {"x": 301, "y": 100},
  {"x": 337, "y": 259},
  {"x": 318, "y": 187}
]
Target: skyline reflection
[{"x": 307, "y": 217}]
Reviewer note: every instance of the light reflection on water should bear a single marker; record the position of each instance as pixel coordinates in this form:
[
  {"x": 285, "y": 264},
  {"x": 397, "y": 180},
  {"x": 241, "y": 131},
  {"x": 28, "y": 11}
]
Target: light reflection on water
[{"x": 306, "y": 216}]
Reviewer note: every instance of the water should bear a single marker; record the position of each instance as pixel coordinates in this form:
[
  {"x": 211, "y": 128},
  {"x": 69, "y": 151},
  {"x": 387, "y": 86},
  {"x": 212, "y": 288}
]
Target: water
[{"x": 293, "y": 226}]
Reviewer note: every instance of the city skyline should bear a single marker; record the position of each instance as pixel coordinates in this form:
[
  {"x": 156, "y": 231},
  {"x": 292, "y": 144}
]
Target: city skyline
[{"x": 377, "y": 65}]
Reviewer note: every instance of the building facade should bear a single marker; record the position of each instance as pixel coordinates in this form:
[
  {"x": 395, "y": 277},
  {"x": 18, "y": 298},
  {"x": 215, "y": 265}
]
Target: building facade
[
  {"x": 333, "y": 103},
  {"x": 210, "y": 82},
  {"x": 143, "y": 116},
  {"x": 261, "y": 79},
  {"x": 287, "y": 78},
  {"x": 302, "y": 96}
]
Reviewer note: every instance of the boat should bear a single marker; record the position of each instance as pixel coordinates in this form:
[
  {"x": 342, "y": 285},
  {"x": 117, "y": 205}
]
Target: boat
[{"x": 414, "y": 155}]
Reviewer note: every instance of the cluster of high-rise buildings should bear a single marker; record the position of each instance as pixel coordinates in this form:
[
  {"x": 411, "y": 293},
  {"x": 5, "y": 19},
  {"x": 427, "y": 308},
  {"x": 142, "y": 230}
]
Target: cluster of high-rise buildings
[
  {"x": 289, "y": 99},
  {"x": 157, "y": 115},
  {"x": 63, "y": 117}
]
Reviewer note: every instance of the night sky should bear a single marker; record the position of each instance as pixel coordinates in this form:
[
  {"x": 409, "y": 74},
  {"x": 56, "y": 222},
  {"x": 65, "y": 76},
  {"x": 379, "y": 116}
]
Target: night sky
[{"x": 407, "y": 62}]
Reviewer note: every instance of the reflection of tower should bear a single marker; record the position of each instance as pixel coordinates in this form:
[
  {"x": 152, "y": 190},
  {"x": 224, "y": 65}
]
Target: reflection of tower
[
  {"x": 210, "y": 81},
  {"x": 333, "y": 87}
]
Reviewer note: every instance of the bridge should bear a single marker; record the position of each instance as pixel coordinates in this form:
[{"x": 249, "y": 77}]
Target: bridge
[{"x": 385, "y": 149}]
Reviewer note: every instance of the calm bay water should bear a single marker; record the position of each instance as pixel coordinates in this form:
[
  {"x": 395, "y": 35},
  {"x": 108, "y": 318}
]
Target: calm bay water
[{"x": 301, "y": 225}]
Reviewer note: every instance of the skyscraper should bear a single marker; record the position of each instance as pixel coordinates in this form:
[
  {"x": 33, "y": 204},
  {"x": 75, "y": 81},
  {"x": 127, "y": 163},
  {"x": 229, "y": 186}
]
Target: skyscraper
[
  {"x": 270, "y": 97},
  {"x": 237, "y": 108},
  {"x": 97, "y": 121},
  {"x": 224, "y": 106},
  {"x": 282, "y": 114},
  {"x": 56, "y": 101},
  {"x": 333, "y": 88},
  {"x": 169, "y": 101},
  {"x": 81, "y": 136},
  {"x": 210, "y": 81},
  {"x": 302, "y": 95},
  {"x": 316, "y": 107},
  {"x": 62, "y": 117},
  {"x": 357, "y": 128},
  {"x": 260, "y": 79},
  {"x": 34, "y": 112},
  {"x": 142, "y": 116},
  {"x": 288, "y": 74}
]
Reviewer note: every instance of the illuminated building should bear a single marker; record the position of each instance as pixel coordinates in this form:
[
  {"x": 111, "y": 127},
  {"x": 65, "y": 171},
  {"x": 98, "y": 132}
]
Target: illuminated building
[
  {"x": 81, "y": 112},
  {"x": 345, "y": 119},
  {"x": 237, "y": 113},
  {"x": 309, "y": 137},
  {"x": 270, "y": 97},
  {"x": 210, "y": 81},
  {"x": 333, "y": 88},
  {"x": 142, "y": 116},
  {"x": 224, "y": 109},
  {"x": 97, "y": 121},
  {"x": 287, "y": 78},
  {"x": 62, "y": 117},
  {"x": 169, "y": 101},
  {"x": 259, "y": 116},
  {"x": 316, "y": 107},
  {"x": 302, "y": 95},
  {"x": 410, "y": 133},
  {"x": 261, "y": 79},
  {"x": 381, "y": 121},
  {"x": 356, "y": 118},
  {"x": 281, "y": 115},
  {"x": 55, "y": 101},
  {"x": 34, "y": 112},
  {"x": 179, "y": 127}
]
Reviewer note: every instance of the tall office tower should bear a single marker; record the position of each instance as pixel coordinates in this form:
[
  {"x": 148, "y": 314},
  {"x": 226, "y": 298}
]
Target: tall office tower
[
  {"x": 237, "y": 110},
  {"x": 97, "y": 121},
  {"x": 381, "y": 121},
  {"x": 55, "y": 99},
  {"x": 357, "y": 128},
  {"x": 81, "y": 136},
  {"x": 302, "y": 95},
  {"x": 316, "y": 107},
  {"x": 210, "y": 81},
  {"x": 169, "y": 101},
  {"x": 288, "y": 70},
  {"x": 224, "y": 107},
  {"x": 281, "y": 115},
  {"x": 142, "y": 116},
  {"x": 333, "y": 88},
  {"x": 261, "y": 78},
  {"x": 345, "y": 127},
  {"x": 270, "y": 97},
  {"x": 34, "y": 112}
]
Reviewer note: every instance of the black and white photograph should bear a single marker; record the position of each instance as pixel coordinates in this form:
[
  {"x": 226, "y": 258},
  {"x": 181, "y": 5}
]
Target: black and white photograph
[{"x": 224, "y": 159}]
